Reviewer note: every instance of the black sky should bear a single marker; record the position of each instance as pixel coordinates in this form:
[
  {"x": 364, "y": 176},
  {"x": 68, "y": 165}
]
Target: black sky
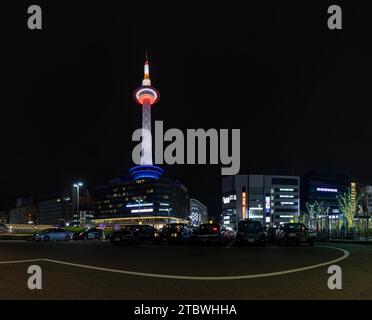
[{"x": 300, "y": 93}]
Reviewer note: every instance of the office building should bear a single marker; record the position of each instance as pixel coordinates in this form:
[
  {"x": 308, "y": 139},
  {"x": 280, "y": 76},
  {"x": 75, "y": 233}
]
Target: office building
[
  {"x": 324, "y": 187},
  {"x": 4, "y": 216},
  {"x": 25, "y": 212},
  {"x": 63, "y": 209},
  {"x": 270, "y": 199}
]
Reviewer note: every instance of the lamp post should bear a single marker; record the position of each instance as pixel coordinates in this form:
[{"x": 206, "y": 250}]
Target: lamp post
[
  {"x": 77, "y": 186},
  {"x": 139, "y": 209}
]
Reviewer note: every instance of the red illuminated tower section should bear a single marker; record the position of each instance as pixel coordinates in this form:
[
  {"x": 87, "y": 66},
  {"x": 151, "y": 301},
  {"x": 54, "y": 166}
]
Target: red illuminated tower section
[{"x": 146, "y": 95}]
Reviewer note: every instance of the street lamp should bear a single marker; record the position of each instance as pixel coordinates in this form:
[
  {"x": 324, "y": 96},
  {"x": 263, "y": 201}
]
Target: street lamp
[
  {"x": 139, "y": 209},
  {"x": 77, "y": 186}
]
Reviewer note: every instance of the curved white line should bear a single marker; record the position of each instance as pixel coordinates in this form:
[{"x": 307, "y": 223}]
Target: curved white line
[
  {"x": 21, "y": 261},
  {"x": 199, "y": 278},
  {"x": 205, "y": 278}
]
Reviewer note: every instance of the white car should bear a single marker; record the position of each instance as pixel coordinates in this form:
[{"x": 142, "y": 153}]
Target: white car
[{"x": 54, "y": 235}]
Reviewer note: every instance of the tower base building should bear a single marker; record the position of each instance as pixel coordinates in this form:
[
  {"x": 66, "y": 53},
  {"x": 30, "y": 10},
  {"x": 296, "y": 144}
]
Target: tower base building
[{"x": 154, "y": 202}]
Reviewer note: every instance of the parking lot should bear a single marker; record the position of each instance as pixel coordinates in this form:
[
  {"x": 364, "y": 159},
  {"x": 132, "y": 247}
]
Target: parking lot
[{"x": 99, "y": 270}]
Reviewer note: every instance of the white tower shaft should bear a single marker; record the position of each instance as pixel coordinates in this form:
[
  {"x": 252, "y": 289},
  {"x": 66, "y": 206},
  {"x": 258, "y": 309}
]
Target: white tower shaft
[{"x": 146, "y": 154}]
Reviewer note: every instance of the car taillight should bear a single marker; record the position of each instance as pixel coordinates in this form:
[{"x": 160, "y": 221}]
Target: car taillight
[{"x": 214, "y": 229}]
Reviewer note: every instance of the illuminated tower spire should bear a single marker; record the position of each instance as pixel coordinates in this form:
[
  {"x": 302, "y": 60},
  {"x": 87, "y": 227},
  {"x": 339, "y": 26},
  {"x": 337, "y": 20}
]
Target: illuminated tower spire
[
  {"x": 146, "y": 96},
  {"x": 146, "y": 76}
]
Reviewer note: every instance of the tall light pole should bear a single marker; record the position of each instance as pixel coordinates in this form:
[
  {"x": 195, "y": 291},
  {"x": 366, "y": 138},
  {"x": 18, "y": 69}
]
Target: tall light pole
[
  {"x": 77, "y": 186},
  {"x": 139, "y": 209}
]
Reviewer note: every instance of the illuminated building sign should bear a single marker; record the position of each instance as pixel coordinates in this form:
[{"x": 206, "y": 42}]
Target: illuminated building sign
[
  {"x": 139, "y": 205},
  {"x": 267, "y": 204},
  {"x": 164, "y": 204},
  {"x": 195, "y": 218},
  {"x": 141, "y": 210},
  {"x": 326, "y": 190},
  {"x": 244, "y": 205},
  {"x": 227, "y": 199}
]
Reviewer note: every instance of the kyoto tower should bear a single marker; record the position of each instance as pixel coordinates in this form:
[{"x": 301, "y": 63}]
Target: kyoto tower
[{"x": 146, "y": 95}]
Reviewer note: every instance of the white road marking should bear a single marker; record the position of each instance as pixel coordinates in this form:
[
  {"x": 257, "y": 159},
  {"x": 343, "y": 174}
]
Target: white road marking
[
  {"x": 197, "y": 278},
  {"x": 21, "y": 261}
]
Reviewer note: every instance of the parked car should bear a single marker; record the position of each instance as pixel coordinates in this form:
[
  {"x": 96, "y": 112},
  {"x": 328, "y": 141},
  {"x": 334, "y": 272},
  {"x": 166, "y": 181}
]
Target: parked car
[
  {"x": 133, "y": 234},
  {"x": 3, "y": 228},
  {"x": 56, "y": 234},
  {"x": 271, "y": 234},
  {"x": 208, "y": 233},
  {"x": 295, "y": 233},
  {"x": 90, "y": 234},
  {"x": 250, "y": 232},
  {"x": 173, "y": 233},
  {"x": 228, "y": 235}
]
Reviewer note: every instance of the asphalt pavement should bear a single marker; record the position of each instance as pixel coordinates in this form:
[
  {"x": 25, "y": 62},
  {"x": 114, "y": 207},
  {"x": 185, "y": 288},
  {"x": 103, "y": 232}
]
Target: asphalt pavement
[{"x": 99, "y": 270}]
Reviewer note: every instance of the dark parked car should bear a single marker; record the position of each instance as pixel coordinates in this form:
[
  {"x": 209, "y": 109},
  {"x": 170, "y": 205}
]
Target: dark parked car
[
  {"x": 133, "y": 234},
  {"x": 208, "y": 233},
  {"x": 90, "y": 234},
  {"x": 250, "y": 232},
  {"x": 295, "y": 233},
  {"x": 173, "y": 233},
  {"x": 227, "y": 235},
  {"x": 271, "y": 234}
]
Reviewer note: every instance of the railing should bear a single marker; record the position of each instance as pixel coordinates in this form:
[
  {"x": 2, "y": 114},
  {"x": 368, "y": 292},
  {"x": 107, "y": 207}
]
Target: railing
[{"x": 357, "y": 235}]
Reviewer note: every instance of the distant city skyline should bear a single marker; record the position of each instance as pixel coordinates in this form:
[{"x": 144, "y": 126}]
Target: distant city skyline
[{"x": 301, "y": 105}]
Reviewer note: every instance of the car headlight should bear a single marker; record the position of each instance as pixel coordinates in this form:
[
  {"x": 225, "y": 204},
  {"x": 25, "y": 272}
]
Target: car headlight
[
  {"x": 156, "y": 234},
  {"x": 174, "y": 235}
]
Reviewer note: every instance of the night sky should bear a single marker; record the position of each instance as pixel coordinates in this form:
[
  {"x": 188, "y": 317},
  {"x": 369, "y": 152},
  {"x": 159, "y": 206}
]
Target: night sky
[{"x": 300, "y": 93}]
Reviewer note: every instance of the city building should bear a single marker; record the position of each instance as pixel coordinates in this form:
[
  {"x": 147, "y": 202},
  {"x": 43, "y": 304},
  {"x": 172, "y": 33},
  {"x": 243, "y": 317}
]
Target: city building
[
  {"x": 148, "y": 201},
  {"x": 26, "y": 211},
  {"x": 4, "y": 216},
  {"x": 270, "y": 199},
  {"x": 324, "y": 187},
  {"x": 198, "y": 213},
  {"x": 63, "y": 208}
]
